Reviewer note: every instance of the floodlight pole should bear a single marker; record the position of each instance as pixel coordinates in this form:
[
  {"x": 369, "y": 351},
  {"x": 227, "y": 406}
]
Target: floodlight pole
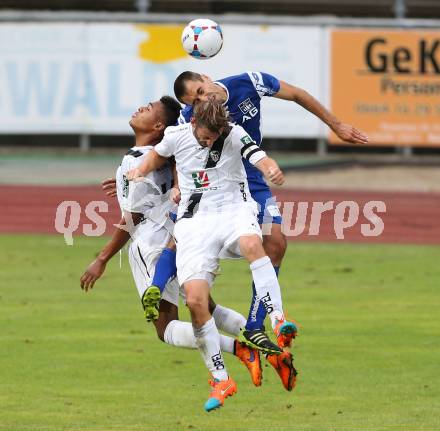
[
  {"x": 142, "y": 6},
  {"x": 400, "y": 9},
  {"x": 84, "y": 143},
  {"x": 322, "y": 148}
]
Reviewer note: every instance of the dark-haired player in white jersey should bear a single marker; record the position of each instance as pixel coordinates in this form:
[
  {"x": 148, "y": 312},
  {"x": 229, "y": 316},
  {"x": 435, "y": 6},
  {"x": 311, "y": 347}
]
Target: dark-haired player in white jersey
[{"x": 217, "y": 218}]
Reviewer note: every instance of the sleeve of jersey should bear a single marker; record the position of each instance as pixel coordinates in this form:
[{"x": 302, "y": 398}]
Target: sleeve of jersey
[
  {"x": 185, "y": 115},
  {"x": 249, "y": 149},
  {"x": 165, "y": 147},
  {"x": 264, "y": 84},
  {"x": 140, "y": 195}
]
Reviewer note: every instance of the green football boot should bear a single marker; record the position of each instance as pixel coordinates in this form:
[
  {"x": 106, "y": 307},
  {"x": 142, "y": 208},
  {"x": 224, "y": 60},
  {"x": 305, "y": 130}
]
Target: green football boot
[{"x": 150, "y": 302}]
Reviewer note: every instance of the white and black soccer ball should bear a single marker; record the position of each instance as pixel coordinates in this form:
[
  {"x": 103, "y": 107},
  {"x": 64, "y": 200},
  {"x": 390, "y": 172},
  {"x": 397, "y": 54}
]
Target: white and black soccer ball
[{"x": 202, "y": 38}]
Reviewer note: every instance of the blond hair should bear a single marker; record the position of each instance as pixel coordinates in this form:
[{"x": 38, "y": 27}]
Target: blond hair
[{"x": 212, "y": 115}]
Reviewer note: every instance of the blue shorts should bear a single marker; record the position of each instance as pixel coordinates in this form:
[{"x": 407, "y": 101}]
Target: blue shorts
[{"x": 260, "y": 192}]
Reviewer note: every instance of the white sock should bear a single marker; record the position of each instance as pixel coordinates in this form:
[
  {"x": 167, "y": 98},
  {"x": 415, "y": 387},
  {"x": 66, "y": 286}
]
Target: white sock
[
  {"x": 208, "y": 343},
  {"x": 226, "y": 344},
  {"x": 228, "y": 320},
  {"x": 181, "y": 334},
  {"x": 268, "y": 288}
]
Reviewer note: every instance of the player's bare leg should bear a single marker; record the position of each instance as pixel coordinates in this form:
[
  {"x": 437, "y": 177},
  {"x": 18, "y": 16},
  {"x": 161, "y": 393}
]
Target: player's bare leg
[{"x": 274, "y": 243}]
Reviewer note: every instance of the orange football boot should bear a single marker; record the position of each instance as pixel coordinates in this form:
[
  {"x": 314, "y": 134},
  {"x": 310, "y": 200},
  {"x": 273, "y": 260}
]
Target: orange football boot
[
  {"x": 251, "y": 359},
  {"x": 283, "y": 365},
  {"x": 221, "y": 389}
]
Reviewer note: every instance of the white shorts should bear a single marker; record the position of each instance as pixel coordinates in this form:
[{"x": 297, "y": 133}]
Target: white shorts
[
  {"x": 143, "y": 264},
  {"x": 205, "y": 238}
]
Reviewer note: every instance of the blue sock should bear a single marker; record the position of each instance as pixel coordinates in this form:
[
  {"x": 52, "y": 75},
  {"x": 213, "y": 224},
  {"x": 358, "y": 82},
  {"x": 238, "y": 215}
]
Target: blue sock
[
  {"x": 257, "y": 311},
  {"x": 165, "y": 269}
]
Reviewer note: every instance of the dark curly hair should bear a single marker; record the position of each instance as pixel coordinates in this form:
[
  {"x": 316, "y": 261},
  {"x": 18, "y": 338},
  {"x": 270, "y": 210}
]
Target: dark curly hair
[{"x": 171, "y": 110}]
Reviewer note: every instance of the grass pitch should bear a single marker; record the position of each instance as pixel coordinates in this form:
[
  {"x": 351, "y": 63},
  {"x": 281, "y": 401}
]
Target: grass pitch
[{"x": 368, "y": 351}]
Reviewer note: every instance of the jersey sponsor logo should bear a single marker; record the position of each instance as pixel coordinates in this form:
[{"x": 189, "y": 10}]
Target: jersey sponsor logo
[
  {"x": 217, "y": 361},
  {"x": 259, "y": 85},
  {"x": 243, "y": 191},
  {"x": 200, "y": 179},
  {"x": 267, "y": 301},
  {"x": 125, "y": 186},
  {"x": 248, "y": 109}
]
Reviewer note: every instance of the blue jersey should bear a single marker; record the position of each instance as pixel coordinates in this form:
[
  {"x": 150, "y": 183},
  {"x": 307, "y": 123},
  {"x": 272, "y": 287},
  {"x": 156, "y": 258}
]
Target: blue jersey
[{"x": 244, "y": 93}]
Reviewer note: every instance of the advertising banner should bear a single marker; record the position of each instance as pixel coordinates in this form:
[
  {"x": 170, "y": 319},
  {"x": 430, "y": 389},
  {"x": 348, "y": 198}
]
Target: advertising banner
[
  {"x": 387, "y": 83},
  {"x": 90, "y": 77}
]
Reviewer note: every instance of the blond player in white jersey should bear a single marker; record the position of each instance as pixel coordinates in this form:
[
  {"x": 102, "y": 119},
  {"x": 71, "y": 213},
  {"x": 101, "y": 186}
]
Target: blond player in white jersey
[
  {"x": 216, "y": 219},
  {"x": 144, "y": 207}
]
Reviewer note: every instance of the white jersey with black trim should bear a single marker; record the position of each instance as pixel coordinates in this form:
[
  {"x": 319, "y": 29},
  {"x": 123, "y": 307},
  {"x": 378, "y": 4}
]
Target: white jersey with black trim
[
  {"x": 210, "y": 179},
  {"x": 149, "y": 197}
]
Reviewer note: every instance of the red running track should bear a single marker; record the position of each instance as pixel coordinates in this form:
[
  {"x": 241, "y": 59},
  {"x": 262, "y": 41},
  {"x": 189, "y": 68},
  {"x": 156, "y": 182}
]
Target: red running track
[{"x": 412, "y": 218}]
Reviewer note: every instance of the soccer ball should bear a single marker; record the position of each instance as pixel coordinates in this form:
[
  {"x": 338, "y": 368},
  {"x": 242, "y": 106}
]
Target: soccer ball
[{"x": 202, "y": 38}]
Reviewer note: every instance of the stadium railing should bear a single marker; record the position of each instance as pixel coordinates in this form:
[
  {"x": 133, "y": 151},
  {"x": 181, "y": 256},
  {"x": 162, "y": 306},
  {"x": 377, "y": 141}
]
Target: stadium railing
[{"x": 347, "y": 8}]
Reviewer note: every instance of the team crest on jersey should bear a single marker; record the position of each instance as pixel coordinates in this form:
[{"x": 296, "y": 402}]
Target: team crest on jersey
[
  {"x": 215, "y": 156},
  {"x": 248, "y": 109},
  {"x": 200, "y": 179}
]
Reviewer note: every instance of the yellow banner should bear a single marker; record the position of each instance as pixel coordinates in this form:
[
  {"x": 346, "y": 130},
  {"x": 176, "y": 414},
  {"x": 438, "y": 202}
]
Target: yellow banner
[{"x": 387, "y": 83}]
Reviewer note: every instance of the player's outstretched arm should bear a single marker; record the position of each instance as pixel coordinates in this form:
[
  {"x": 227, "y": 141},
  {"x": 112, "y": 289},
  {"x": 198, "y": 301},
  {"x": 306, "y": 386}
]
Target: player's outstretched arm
[
  {"x": 150, "y": 163},
  {"x": 344, "y": 131},
  {"x": 119, "y": 238},
  {"x": 270, "y": 169}
]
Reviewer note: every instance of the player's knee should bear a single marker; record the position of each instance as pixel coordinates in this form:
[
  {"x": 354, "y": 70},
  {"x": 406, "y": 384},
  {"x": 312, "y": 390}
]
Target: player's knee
[
  {"x": 195, "y": 302},
  {"x": 251, "y": 247}
]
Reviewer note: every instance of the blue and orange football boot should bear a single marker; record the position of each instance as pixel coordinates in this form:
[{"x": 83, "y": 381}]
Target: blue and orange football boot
[
  {"x": 285, "y": 332},
  {"x": 221, "y": 389}
]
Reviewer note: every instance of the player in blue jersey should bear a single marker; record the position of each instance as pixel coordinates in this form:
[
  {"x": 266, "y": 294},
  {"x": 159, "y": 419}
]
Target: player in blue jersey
[{"x": 242, "y": 94}]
